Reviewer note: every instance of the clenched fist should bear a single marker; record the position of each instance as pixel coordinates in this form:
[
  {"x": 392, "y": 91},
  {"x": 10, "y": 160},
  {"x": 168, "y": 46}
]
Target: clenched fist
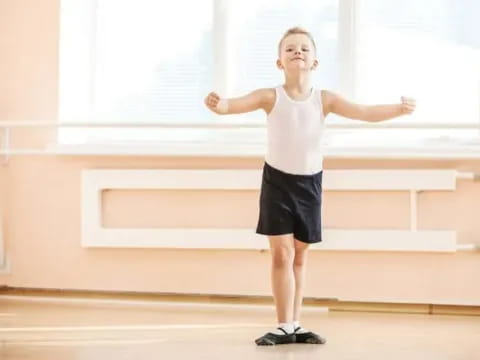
[
  {"x": 217, "y": 105},
  {"x": 408, "y": 105}
]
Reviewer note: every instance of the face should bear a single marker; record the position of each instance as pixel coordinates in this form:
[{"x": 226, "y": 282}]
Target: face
[{"x": 297, "y": 53}]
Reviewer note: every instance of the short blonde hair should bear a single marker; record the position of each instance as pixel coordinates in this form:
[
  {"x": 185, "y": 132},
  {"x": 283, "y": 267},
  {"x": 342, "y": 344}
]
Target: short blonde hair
[{"x": 296, "y": 30}]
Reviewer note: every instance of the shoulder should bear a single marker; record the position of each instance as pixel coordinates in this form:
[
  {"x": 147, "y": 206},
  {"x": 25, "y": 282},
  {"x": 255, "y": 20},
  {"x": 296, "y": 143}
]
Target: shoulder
[
  {"x": 267, "y": 97},
  {"x": 267, "y": 94},
  {"x": 328, "y": 98}
]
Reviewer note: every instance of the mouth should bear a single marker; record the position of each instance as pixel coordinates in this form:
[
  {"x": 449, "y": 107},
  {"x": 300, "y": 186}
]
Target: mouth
[{"x": 297, "y": 58}]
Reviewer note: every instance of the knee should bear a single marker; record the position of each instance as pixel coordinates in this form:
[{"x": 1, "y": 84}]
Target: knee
[
  {"x": 283, "y": 257},
  {"x": 300, "y": 258}
]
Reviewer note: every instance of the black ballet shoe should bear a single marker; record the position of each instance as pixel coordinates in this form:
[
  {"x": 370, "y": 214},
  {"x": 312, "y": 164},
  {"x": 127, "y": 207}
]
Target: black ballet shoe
[
  {"x": 308, "y": 338},
  {"x": 274, "y": 339}
]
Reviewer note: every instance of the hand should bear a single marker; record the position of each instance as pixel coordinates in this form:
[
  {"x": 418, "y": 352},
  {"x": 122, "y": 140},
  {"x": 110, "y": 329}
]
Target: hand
[
  {"x": 408, "y": 105},
  {"x": 212, "y": 101}
]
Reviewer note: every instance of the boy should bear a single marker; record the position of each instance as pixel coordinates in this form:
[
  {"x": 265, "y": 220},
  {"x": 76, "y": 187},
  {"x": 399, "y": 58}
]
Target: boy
[{"x": 290, "y": 197}]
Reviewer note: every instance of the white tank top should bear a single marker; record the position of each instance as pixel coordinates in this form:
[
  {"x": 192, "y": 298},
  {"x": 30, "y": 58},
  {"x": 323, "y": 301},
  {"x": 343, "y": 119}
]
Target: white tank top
[{"x": 294, "y": 133}]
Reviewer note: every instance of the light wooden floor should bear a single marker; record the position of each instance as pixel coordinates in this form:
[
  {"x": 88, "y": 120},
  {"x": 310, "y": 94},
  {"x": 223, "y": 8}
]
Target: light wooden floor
[{"x": 59, "y": 330}]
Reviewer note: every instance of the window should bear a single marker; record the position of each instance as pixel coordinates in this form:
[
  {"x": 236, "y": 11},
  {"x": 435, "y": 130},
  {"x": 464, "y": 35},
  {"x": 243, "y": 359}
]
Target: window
[
  {"x": 427, "y": 49},
  {"x": 145, "y": 61},
  {"x": 404, "y": 46}
]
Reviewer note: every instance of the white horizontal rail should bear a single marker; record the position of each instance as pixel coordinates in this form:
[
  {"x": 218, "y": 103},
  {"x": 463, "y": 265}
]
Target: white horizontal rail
[
  {"x": 256, "y": 150},
  {"x": 453, "y": 151},
  {"x": 233, "y": 124}
]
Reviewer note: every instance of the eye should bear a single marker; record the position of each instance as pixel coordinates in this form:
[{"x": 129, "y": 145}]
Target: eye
[
  {"x": 305, "y": 49},
  {"x": 288, "y": 50}
]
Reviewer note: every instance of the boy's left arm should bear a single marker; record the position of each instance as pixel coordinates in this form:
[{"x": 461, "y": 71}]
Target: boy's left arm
[{"x": 371, "y": 113}]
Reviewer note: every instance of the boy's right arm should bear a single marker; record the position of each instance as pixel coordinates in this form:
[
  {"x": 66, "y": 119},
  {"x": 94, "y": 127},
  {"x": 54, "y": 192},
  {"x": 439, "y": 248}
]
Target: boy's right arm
[{"x": 258, "y": 99}]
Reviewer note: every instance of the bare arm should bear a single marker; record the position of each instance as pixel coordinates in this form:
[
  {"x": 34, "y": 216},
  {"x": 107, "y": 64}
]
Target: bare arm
[
  {"x": 371, "y": 113},
  {"x": 258, "y": 99}
]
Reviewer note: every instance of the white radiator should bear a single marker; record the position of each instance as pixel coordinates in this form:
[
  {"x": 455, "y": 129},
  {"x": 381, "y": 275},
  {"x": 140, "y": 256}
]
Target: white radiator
[{"x": 95, "y": 181}]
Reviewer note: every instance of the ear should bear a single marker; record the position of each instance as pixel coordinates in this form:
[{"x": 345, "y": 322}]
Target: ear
[
  {"x": 315, "y": 64},
  {"x": 279, "y": 64}
]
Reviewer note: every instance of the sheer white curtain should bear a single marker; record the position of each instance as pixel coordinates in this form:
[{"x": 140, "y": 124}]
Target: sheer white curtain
[
  {"x": 153, "y": 60},
  {"x": 150, "y": 60},
  {"x": 427, "y": 49}
]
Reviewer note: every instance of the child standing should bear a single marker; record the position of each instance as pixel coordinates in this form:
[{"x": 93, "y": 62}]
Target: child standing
[{"x": 291, "y": 191}]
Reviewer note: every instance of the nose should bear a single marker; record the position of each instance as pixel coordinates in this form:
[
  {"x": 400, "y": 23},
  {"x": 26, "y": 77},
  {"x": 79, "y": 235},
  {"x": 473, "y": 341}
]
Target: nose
[{"x": 297, "y": 52}]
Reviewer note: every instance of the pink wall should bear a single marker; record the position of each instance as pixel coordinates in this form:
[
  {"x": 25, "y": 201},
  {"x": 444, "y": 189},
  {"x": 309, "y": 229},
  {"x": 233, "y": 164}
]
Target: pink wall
[
  {"x": 29, "y": 66},
  {"x": 41, "y": 199},
  {"x": 3, "y": 191}
]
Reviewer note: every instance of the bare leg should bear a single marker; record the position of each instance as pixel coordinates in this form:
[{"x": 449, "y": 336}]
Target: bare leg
[
  {"x": 283, "y": 279},
  {"x": 299, "y": 266}
]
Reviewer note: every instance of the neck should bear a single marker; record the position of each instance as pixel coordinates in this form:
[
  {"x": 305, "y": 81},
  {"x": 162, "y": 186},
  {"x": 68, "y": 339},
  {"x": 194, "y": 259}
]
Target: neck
[{"x": 299, "y": 82}]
